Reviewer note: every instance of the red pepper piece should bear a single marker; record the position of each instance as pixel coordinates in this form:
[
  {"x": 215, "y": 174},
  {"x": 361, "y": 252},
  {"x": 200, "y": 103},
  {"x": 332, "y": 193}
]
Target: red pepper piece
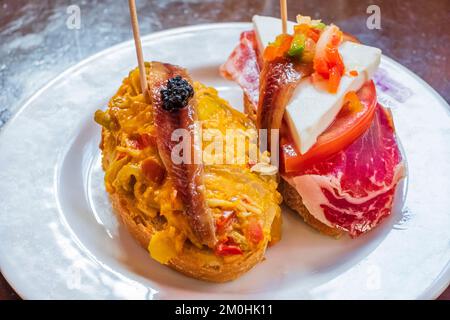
[{"x": 223, "y": 249}]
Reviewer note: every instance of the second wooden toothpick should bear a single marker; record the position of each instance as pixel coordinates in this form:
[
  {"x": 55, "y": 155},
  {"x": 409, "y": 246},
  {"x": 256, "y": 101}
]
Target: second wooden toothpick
[{"x": 283, "y": 9}]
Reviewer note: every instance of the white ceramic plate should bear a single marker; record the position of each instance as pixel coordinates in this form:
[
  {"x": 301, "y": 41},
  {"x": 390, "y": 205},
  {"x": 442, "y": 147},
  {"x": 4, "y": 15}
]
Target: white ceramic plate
[{"x": 60, "y": 239}]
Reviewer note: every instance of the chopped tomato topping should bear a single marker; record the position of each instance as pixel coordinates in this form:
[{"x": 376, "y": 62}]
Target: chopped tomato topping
[
  {"x": 352, "y": 103},
  {"x": 278, "y": 48},
  {"x": 313, "y": 34},
  {"x": 328, "y": 63},
  {"x": 299, "y": 47},
  {"x": 223, "y": 249},
  {"x": 285, "y": 43},
  {"x": 270, "y": 53},
  {"x": 334, "y": 79},
  {"x": 255, "y": 232},
  {"x": 153, "y": 171}
]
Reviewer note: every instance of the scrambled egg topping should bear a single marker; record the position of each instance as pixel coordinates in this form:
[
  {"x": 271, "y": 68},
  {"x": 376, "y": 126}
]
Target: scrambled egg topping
[{"x": 244, "y": 204}]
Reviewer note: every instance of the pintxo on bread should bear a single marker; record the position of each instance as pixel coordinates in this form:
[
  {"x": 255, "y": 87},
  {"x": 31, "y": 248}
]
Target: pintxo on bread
[
  {"x": 341, "y": 163},
  {"x": 209, "y": 221}
]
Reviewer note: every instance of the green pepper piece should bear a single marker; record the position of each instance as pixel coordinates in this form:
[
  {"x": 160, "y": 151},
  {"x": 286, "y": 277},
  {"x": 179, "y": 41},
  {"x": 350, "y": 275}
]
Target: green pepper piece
[
  {"x": 297, "y": 46},
  {"x": 102, "y": 118},
  {"x": 320, "y": 26},
  {"x": 106, "y": 120}
]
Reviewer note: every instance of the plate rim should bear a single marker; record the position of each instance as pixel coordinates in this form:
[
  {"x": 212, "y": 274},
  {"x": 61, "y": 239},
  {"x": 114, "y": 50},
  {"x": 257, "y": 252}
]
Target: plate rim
[{"x": 432, "y": 292}]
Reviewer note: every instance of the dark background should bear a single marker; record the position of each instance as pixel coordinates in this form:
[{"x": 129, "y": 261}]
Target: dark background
[{"x": 36, "y": 45}]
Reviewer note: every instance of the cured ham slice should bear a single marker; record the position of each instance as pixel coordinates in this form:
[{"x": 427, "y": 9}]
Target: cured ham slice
[
  {"x": 186, "y": 177},
  {"x": 243, "y": 67},
  {"x": 354, "y": 190}
]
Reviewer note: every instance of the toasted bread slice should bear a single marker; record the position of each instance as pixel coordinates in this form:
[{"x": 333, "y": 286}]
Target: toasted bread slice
[
  {"x": 294, "y": 201},
  {"x": 147, "y": 202},
  {"x": 194, "y": 262}
]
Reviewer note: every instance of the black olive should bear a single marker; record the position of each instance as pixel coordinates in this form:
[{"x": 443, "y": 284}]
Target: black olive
[{"x": 177, "y": 94}]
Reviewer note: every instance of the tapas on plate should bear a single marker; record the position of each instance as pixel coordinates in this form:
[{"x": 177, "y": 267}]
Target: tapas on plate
[{"x": 340, "y": 161}]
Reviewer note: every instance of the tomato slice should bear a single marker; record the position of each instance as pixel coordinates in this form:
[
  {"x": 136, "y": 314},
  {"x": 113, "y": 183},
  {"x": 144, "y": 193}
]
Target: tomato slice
[{"x": 346, "y": 128}]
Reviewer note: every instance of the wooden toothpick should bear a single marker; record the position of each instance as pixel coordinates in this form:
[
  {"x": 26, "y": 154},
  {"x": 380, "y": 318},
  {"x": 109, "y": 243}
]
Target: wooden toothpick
[
  {"x": 283, "y": 9},
  {"x": 137, "y": 43}
]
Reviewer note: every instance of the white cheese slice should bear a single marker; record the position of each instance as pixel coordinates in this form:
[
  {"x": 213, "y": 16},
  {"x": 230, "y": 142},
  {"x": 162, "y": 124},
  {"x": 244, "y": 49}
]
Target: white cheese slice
[
  {"x": 312, "y": 108},
  {"x": 268, "y": 28}
]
